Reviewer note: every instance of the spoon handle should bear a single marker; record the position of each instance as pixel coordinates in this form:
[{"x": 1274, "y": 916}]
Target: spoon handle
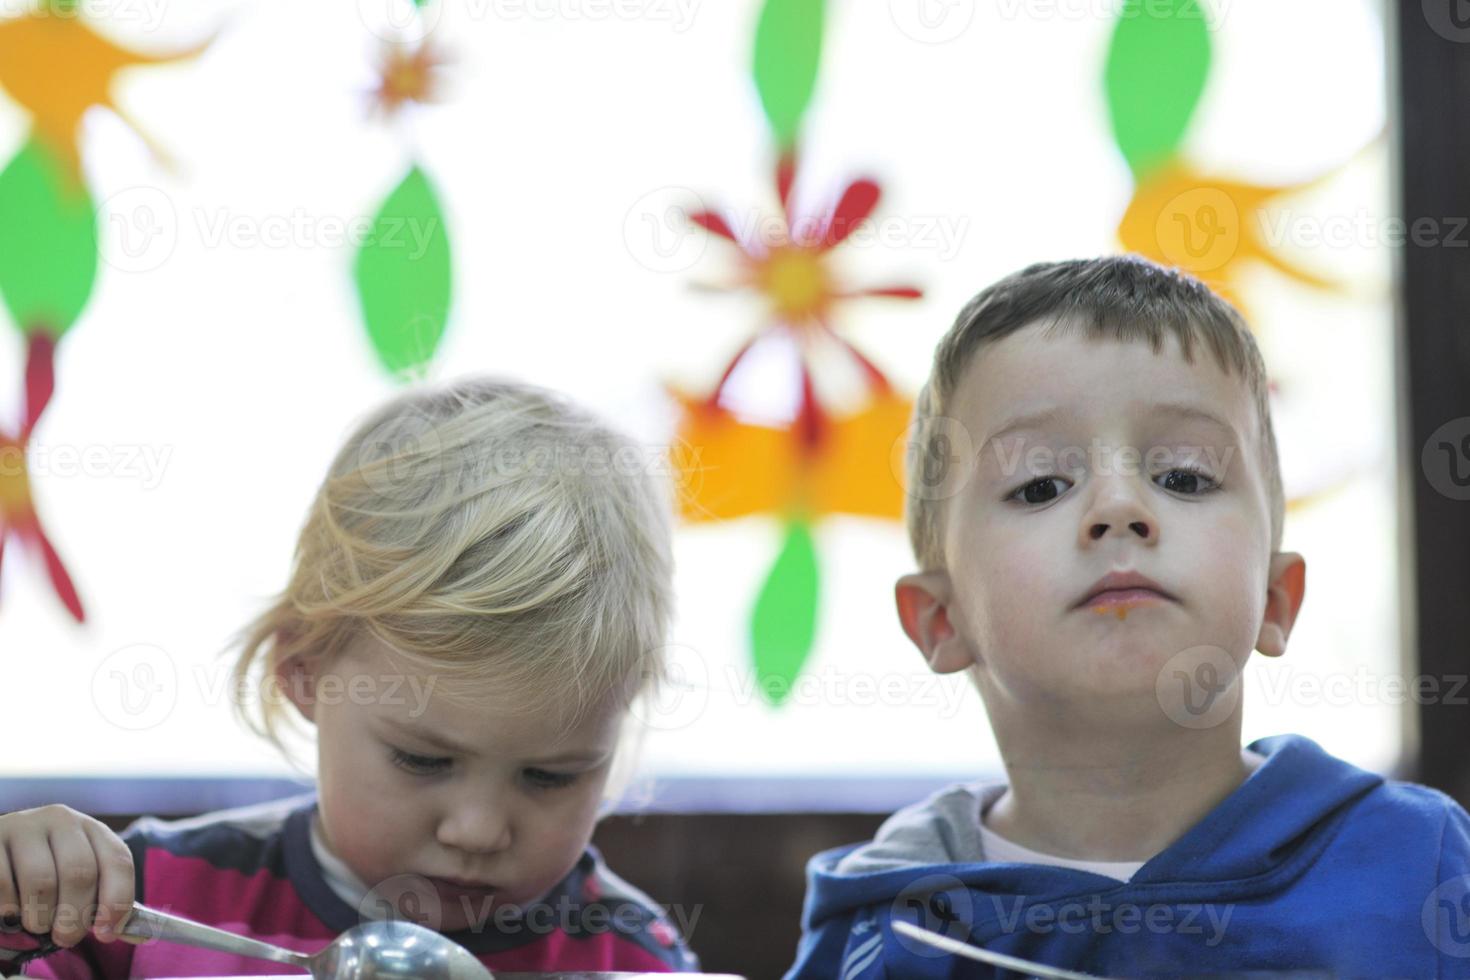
[{"x": 144, "y": 923}]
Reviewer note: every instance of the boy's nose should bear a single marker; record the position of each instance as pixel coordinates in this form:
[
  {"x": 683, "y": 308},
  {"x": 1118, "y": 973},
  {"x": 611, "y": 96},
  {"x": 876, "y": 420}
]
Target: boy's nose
[
  {"x": 1141, "y": 528},
  {"x": 1119, "y": 510}
]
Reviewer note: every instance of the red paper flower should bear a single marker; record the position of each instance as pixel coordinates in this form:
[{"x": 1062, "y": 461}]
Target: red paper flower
[
  {"x": 17, "y": 510},
  {"x": 789, "y": 267}
]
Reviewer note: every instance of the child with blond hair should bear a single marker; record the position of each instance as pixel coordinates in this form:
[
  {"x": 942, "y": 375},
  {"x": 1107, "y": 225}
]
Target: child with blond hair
[{"x": 481, "y": 587}]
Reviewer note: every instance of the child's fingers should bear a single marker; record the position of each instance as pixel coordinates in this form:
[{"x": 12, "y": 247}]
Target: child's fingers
[
  {"x": 114, "y": 879},
  {"x": 35, "y": 878},
  {"x": 76, "y": 880},
  {"x": 9, "y": 896}
]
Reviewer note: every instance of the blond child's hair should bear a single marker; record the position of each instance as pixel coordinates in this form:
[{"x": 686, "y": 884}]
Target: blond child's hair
[
  {"x": 1121, "y": 297},
  {"x": 490, "y": 532}
]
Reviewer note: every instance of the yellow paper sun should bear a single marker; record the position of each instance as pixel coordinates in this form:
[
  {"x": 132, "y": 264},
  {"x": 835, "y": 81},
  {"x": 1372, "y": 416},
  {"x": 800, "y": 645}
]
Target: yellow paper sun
[
  {"x": 56, "y": 68},
  {"x": 1209, "y": 227},
  {"x": 736, "y": 469}
]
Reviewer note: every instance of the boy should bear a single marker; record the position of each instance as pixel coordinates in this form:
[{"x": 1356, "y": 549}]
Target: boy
[{"x": 1098, "y": 526}]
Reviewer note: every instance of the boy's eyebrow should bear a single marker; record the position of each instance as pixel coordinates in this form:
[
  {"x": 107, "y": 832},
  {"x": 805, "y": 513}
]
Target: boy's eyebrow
[
  {"x": 1049, "y": 416},
  {"x": 409, "y": 728}
]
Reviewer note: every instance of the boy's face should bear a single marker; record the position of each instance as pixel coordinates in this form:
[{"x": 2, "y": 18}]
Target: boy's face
[
  {"x": 1021, "y": 552},
  {"x": 512, "y": 806}
]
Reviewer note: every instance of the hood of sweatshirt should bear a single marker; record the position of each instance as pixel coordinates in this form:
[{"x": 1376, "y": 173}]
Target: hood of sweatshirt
[{"x": 1253, "y": 842}]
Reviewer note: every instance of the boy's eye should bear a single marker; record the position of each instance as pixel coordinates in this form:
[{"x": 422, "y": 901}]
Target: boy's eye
[
  {"x": 420, "y": 765},
  {"x": 1190, "y": 481},
  {"x": 543, "y": 779}
]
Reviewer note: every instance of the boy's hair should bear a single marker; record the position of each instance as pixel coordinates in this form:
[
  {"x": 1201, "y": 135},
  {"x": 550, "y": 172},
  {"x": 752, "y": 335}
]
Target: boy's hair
[
  {"x": 1121, "y": 297},
  {"x": 490, "y": 531}
]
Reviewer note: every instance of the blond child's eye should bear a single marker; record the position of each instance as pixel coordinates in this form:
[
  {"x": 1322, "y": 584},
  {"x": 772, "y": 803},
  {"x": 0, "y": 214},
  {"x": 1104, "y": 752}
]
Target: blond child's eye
[
  {"x": 543, "y": 779},
  {"x": 419, "y": 765}
]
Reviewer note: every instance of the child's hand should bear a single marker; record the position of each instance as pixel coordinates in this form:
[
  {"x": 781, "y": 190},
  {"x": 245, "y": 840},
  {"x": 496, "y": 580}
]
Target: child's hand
[{"x": 64, "y": 873}]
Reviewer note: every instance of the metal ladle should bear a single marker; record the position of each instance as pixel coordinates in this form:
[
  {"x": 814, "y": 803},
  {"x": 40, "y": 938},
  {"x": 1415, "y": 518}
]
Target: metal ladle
[{"x": 383, "y": 949}]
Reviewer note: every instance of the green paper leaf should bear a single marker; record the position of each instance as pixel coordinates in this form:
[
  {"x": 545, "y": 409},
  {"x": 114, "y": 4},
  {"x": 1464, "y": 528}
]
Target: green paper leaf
[
  {"x": 48, "y": 242},
  {"x": 402, "y": 274},
  {"x": 1157, "y": 65},
  {"x": 788, "y": 52},
  {"x": 784, "y": 621}
]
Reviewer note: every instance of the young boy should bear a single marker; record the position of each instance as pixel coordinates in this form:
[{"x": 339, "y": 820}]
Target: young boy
[{"x": 1098, "y": 523}]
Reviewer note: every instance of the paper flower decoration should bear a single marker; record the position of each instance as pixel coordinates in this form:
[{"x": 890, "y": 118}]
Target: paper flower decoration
[
  {"x": 823, "y": 462},
  {"x": 407, "y": 72},
  {"x": 790, "y": 270},
  {"x": 48, "y": 264},
  {"x": 1157, "y": 65},
  {"x": 402, "y": 269},
  {"x": 56, "y": 67},
  {"x": 18, "y": 517}
]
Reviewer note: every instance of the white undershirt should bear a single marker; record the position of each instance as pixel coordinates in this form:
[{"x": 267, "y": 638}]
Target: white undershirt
[
  {"x": 998, "y": 848},
  {"x": 339, "y": 876}
]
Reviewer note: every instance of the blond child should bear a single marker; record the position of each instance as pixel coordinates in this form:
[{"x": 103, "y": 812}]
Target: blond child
[{"x": 480, "y": 588}]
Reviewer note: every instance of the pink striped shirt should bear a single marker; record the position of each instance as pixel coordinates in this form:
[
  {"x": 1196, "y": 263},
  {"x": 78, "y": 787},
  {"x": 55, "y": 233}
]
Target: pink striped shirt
[{"x": 255, "y": 871}]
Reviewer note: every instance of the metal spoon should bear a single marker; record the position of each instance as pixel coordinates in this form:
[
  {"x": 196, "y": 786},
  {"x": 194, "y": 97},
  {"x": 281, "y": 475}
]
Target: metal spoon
[
  {"x": 384, "y": 949},
  {"x": 1028, "y": 967}
]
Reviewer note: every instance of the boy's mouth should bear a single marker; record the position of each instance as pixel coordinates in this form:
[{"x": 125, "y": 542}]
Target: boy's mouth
[{"x": 1123, "y": 587}]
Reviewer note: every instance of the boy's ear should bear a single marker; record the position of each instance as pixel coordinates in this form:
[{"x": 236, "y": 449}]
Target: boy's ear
[
  {"x": 1288, "y": 583},
  {"x": 923, "y": 608}
]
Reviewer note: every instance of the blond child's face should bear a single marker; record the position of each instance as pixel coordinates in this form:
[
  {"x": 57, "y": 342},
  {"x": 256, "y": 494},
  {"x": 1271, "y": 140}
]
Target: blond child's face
[
  {"x": 1052, "y": 507},
  {"x": 511, "y": 805}
]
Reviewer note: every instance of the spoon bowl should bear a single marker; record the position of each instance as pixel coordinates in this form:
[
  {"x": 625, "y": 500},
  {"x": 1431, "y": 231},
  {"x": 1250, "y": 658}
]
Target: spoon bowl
[{"x": 382, "y": 949}]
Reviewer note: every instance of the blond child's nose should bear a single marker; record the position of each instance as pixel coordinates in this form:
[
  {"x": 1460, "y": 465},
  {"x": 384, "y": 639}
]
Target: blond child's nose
[{"x": 477, "y": 826}]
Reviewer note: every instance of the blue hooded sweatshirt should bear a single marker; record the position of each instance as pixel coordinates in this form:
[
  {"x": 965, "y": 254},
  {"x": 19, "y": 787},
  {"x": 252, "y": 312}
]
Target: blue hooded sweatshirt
[{"x": 1311, "y": 866}]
